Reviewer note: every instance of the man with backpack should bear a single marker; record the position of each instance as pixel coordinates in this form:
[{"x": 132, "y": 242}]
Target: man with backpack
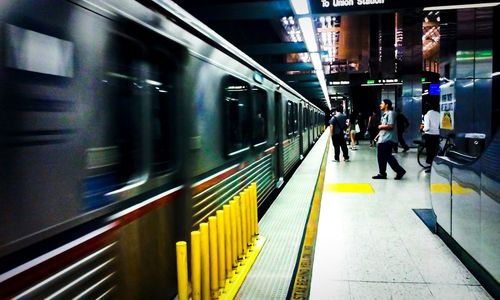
[{"x": 338, "y": 124}]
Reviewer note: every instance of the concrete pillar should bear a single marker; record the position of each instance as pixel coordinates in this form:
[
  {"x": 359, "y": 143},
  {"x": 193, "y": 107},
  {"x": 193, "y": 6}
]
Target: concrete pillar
[{"x": 411, "y": 68}]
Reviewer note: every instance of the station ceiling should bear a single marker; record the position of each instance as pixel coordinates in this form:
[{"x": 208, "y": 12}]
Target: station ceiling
[{"x": 267, "y": 31}]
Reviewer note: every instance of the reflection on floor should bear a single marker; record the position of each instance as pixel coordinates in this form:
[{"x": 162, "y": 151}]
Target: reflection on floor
[{"x": 372, "y": 245}]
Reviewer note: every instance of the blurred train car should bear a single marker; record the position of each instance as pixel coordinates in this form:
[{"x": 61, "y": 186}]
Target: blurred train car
[{"x": 123, "y": 125}]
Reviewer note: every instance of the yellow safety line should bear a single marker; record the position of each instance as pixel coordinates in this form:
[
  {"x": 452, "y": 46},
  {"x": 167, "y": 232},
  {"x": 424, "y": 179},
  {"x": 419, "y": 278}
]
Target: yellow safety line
[
  {"x": 445, "y": 188},
  {"x": 362, "y": 188},
  {"x": 234, "y": 283},
  {"x": 302, "y": 280}
]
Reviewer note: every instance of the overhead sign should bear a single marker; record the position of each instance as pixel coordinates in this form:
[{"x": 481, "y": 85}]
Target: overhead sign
[
  {"x": 369, "y": 6},
  {"x": 341, "y": 3},
  {"x": 384, "y": 81}
]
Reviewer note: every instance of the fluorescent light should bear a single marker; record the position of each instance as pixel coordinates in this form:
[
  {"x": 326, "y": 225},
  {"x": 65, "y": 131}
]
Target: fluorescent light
[
  {"x": 474, "y": 5},
  {"x": 495, "y": 74},
  {"x": 316, "y": 60},
  {"x": 300, "y": 7},
  {"x": 306, "y": 26}
]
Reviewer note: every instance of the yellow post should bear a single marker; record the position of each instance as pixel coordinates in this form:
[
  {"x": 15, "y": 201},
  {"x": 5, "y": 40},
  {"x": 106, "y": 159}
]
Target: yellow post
[
  {"x": 234, "y": 234},
  {"x": 227, "y": 238},
  {"x": 182, "y": 270},
  {"x": 243, "y": 216},
  {"x": 238, "y": 226},
  {"x": 214, "y": 264},
  {"x": 195, "y": 265},
  {"x": 249, "y": 216},
  {"x": 256, "y": 208},
  {"x": 205, "y": 261},
  {"x": 221, "y": 246}
]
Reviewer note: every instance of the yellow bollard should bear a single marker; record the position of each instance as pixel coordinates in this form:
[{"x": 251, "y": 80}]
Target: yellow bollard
[
  {"x": 227, "y": 238},
  {"x": 234, "y": 234},
  {"x": 243, "y": 216},
  {"x": 195, "y": 265},
  {"x": 256, "y": 208},
  {"x": 182, "y": 270},
  {"x": 205, "y": 261},
  {"x": 247, "y": 210},
  {"x": 249, "y": 216},
  {"x": 238, "y": 226},
  {"x": 221, "y": 246},
  {"x": 254, "y": 211},
  {"x": 214, "y": 264}
]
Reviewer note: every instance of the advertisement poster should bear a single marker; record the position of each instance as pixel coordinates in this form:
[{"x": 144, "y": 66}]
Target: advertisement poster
[{"x": 447, "y": 105}]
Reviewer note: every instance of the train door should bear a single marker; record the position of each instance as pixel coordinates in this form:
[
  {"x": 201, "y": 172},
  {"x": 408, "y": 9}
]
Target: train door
[
  {"x": 301, "y": 130},
  {"x": 278, "y": 139}
]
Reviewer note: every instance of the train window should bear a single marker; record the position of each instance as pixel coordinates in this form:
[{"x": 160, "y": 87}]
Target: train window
[
  {"x": 289, "y": 117},
  {"x": 236, "y": 97},
  {"x": 259, "y": 133},
  {"x": 305, "y": 119},
  {"x": 161, "y": 84},
  {"x": 295, "y": 118},
  {"x": 114, "y": 156}
]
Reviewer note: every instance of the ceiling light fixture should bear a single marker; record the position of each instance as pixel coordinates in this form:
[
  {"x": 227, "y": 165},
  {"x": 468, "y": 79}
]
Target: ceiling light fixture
[
  {"x": 306, "y": 26},
  {"x": 316, "y": 61},
  {"x": 300, "y": 7}
]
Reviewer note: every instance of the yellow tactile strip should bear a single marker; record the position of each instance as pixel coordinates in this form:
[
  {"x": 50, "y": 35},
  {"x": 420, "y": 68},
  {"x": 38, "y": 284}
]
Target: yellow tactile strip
[
  {"x": 361, "y": 188},
  {"x": 446, "y": 188}
]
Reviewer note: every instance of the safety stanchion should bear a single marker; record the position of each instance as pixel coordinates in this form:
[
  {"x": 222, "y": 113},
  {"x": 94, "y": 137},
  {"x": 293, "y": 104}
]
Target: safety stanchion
[
  {"x": 195, "y": 265},
  {"x": 205, "y": 261},
  {"x": 243, "y": 216},
  {"x": 182, "y": 270},
  {"x": 227, "y": 239},
  {"x": 214, "y": 263},
  {"x": 238, "y": 226},
  {"x": 221, "y": 247},
  {"x": 222, "y": 251}
]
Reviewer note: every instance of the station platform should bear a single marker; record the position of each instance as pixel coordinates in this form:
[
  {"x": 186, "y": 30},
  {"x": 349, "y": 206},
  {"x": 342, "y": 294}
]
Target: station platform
[{"x": 336, "y": 233}]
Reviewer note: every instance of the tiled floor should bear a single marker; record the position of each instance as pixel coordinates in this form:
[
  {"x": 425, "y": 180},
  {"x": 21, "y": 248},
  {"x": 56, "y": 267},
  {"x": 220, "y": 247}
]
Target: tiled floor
[{"x": 373, "y": 246}]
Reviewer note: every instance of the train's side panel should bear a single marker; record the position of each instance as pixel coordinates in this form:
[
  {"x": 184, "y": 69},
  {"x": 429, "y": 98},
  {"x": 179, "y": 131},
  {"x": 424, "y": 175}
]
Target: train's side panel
[
  {"x": 218, "y": 174},
  {"x": 84, "y": 144},
  {"x": 104, "y": 166},
  {"x": 291, "y": 141}
]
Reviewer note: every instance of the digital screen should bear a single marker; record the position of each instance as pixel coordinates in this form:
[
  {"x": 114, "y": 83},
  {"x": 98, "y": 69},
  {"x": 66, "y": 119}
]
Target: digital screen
[{"x": 434, "y": 89}]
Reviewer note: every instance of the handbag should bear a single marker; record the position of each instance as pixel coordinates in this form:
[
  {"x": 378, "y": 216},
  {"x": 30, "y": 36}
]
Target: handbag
[
  {"x": 367, "y": 135},
  {"x": 357, "y": 129}
]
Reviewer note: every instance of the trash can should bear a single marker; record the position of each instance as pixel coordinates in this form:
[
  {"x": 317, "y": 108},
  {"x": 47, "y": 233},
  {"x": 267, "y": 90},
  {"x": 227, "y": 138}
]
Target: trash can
[{"x": 474, "y": 143}]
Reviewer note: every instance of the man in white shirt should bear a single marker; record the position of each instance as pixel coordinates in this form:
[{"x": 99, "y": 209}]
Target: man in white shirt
[{"x": 431, "y": 133}]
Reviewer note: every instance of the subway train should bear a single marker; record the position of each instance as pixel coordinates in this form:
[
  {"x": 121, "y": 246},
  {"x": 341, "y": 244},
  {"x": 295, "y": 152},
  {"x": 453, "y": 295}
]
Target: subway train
[{"x": 124, "y": 125}]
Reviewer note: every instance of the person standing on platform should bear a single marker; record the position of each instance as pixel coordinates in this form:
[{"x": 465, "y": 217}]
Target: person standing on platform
[
  {"x": 431, "y": 134},
  {"x": 386, "y": 139},
  {"x": 373, "y": 122},
  {"x": 402, "y": 124},
  {"x": 353, "y": 125},
  {"x": 337, "y": 127}
]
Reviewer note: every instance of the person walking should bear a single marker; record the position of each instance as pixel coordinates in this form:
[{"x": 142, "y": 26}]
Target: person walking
[
  {"x": 337, "y": 127},
  {"x": 402, "y": 124},
  {"x": 373, "y": 122},
  {"x": 386, "y": 139},
  {"x": 430, "y": 127},
  {"x": 353, "y": 130}
]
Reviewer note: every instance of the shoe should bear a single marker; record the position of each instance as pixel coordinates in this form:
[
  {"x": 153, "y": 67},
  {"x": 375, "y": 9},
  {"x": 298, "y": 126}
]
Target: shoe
[
  {"x": 346, "y": 160},
  {"x": 336, "y": 160},
  {"x": 380, "y": 176},
  {"x": 406, "y": 149},
  {"x": 400, "y": 175},
  {"x": 428, "y": 170}
]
